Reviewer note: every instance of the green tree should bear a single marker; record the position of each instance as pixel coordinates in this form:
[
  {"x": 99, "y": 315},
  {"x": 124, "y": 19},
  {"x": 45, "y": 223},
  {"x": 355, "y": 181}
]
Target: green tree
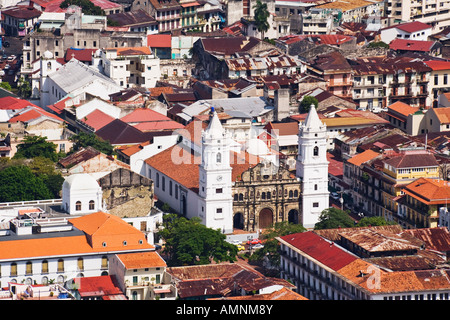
[
  {"x": 271, "y": 245},
  {"x": 374, "y": 221},
  {"x": 261, "y": 17},
  {"x": 84, "y": 140},
  {"x": 332, "y": 218},
  {"x": 378, "y": 44},
  {"x": 18, "y": 183},
  {"x": 24, "y": 88},
  {"x": 87, "y": 7},
  {"x": 45, "y": 169},
  {"x": 36, "y": 146},
  {"x": 188, "y": 242},
  {"x": 307, "y": 102},
  {"x": 5, "y": 85}
]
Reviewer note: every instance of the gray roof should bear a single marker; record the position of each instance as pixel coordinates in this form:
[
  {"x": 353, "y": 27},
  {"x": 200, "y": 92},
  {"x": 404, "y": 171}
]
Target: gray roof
[
  {"x": 75, "y": 74},
  {"x": 248, "y": 107}
]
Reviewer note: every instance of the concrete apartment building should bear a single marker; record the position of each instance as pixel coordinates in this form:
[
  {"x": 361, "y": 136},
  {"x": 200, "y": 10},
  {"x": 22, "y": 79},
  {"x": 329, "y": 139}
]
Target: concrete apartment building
[
  {"x": 433, "y": 12},
  {"x": 130, "y": 66}
]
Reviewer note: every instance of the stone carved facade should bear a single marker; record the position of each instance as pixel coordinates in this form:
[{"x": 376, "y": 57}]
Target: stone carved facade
[{"x": 266, "y": 194}]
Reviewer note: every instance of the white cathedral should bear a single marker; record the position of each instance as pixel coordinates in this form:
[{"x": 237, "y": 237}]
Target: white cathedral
[{"x": 211, "y": 197}]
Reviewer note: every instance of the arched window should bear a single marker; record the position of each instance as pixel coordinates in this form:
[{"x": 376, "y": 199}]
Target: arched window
[
  {"x": 219, "y": 157},
  {"x": 295, "y": 193},
  {"x": 91, "y": 205},
  {"x": 263, "y": 196},
  {"x": 291, "y": 194},
  {"x": 269, "y": 195},
  {"x": 49, "y": 65},
  {"x": 236, "y": 197},
  {"x": 316, "y": 151},
  {"x": 241, "y": 197},
  {"x": 78, "y": 206}
]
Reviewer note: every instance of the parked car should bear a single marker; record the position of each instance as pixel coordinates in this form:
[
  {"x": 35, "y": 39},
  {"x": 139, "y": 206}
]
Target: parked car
[
  {"x": 258, "y": 246},
  {"x": 240, "y": 247},
  {"x": 335, "y": 195},
  {"x": 254, "y": 241}
]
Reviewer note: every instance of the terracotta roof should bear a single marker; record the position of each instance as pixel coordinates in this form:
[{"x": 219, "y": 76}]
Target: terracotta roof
[
  {"x": 438, "y": 64},
  {"x": 411, "y": 45},
  {"x": 98, "y": 227},
  {"x": 159, "y": 40},
  {"x": 33, "y": 113},
  {"x": 103, "y": 228},
  {"x": 12, "y": 103},
  {"x": 84, "y": 55},
  {"x": 97, "y": 119},
  {"x": 282, "y": 128},
  {"x": 141, "y": 260},
  {"x": 403, "y": 108},
  {"x": 144, "y": 115},
  {"x": 363, "y": 157},
  {"x": 131, "y": 51},
  {"x": 102, "y": 287},
  {"x": 158, "y": 126},
  {"x": 443, "y": 115},
  {"x": 320, "y": 249},
  {"x": 181, "y": 165},
  {"x": 429, "y": 191},
  {"x": 412, "y": 26}
]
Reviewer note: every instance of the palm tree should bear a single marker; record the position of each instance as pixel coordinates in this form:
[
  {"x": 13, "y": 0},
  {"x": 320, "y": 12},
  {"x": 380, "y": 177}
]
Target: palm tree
[{"x": 261, "y": 16}]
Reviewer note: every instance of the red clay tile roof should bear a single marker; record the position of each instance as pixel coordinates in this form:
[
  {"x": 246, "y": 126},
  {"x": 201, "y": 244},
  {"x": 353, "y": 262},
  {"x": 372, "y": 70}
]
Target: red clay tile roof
[
  {"x": 83, "y": 55},
  {"x": 141, "y": 260},
  {"x": 443, "y": 115},
  {"x": 438, "y": 64},
  {"x": 11, "y": 103},
  {"x": 159, "y": 40},
  {"x": 33, "y": 113},
  {"x": 182, "y": 166},
  {"x": 320, "y": 249},
  {"x": 412, "y": 26},
  {"x": 97, "y": 119},
  {"x": 144, "y": 115},
  {"x": 101, "y": 287},
  {"x": 403, "y": 108},
  {"x": 411, "y": 45},
  {"x": 429, "y": 191}
]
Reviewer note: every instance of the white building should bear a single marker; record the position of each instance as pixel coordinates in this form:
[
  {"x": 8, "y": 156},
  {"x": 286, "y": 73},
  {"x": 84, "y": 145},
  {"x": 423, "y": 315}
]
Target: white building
[
  {"x": 130, "y": 67},
  {"x": 411, "y": 30},
  {"x": 312, "y": 167},
  {"x": 41, "y": 250},
  {"x": 81, "y": 194},
  {"x": 75, "y": 79}
]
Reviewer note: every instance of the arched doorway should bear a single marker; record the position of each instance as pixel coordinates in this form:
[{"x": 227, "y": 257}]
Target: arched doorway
[
  {"x": 265, "y": 218},
  {"x": 238, "y": 221},
  {"x": 293, "y": 216}
]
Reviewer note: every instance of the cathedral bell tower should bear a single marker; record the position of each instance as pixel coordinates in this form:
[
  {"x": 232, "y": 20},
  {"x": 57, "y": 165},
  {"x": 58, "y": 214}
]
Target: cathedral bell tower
[
  {"x": 215, "y": 198},
  {"x": 312, "y": 167}
]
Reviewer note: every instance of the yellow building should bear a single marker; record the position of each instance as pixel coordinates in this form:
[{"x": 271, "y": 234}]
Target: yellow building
[
  {"x": 402, "y": 169},
  {"x": 418, "y": 206}
]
